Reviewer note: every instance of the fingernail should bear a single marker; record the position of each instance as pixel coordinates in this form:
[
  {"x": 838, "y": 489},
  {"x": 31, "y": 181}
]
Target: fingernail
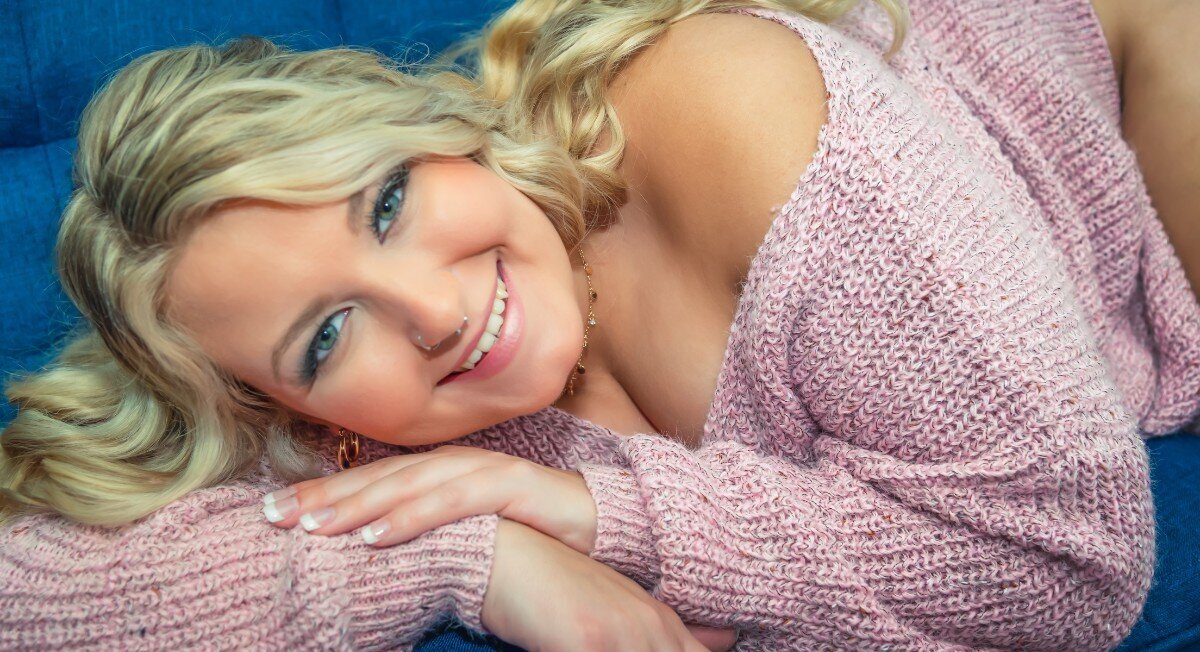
[
  {"x": 286, "y": 492},
  {"x": 319, "y": 518},
  {"x": 280, "y": 509},
  {"x": 373, "y": 532}
]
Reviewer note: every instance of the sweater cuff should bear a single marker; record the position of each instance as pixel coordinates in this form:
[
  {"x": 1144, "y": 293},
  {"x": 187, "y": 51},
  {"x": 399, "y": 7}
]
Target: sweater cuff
[
  {"x": 625, "y": 538},
  {"x": 448, "y": 569}
]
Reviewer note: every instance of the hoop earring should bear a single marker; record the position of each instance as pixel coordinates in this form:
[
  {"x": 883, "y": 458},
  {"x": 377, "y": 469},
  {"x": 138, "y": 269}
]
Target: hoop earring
[{"x": 348, "y": 449}]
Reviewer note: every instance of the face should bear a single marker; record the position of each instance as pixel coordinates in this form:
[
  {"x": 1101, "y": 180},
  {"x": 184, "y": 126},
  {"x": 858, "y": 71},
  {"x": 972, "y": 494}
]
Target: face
[{"x": 319, "y": 307}]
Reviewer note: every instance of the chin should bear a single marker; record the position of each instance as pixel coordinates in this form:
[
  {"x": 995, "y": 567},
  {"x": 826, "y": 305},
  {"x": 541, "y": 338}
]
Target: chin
[{"x": 550, "y": 393}]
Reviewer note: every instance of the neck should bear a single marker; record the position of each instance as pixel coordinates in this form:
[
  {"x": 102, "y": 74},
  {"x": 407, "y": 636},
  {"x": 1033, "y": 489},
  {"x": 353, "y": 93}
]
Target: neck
[{"x": 600, "y": 395}]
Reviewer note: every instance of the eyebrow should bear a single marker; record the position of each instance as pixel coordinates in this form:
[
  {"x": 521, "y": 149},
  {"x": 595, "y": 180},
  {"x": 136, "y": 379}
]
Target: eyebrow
[{"x": 316, "y": 306}]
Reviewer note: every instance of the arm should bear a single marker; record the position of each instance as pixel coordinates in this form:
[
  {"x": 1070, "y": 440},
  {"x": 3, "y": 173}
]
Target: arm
[
  {"x": 208, "y": 571},
  {"x": 861, "y": 551}
]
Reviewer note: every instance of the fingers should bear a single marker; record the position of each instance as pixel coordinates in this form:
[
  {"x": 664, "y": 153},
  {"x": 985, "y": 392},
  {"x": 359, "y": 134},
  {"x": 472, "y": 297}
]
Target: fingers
[
  {"x": 457, "y": 498},
  {"x": 542, "y": 595},
  {"x": 396, "y": 499},
  {"x": 287, "y": 507},
  {"x": 282, "y": 508},
  {"x": 398, "y": 506},
  {"x": 714, "y": 640},
  {"x": 347, "y": 500}
]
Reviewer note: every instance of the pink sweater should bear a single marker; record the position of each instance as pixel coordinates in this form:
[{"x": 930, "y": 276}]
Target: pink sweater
[{"x": 925, "y": 433}]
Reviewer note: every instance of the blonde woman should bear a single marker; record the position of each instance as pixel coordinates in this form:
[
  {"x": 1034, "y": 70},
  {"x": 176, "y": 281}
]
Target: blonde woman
[{"x": 896, "y": 404}]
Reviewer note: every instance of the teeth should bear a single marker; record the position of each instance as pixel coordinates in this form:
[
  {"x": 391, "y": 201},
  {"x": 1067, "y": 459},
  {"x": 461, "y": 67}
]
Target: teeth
[
  {"x": 493, "y": 325},
  {"x": 485, "y": 342},
  {"x": 491, "y": 331}
]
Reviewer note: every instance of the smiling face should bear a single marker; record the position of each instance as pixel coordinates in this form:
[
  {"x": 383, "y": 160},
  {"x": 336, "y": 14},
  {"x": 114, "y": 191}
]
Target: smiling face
[{"x": 319, "y": 307}]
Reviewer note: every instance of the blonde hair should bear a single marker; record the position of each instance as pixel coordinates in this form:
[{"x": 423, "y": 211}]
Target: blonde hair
[{"x": 132, "y": 414}]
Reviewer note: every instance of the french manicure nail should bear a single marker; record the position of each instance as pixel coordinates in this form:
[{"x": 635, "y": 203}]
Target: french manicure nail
[
  {"x": 319, "y": 518},
  {"x": 372, "y": 532},
  {"x": 280, "y": 509},
  {"x": 286, "y": 492}
]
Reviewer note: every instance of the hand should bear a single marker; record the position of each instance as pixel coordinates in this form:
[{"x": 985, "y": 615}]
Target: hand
[
  {"x": 398, "y": 498},
  {"x": 544, "y": 596}
]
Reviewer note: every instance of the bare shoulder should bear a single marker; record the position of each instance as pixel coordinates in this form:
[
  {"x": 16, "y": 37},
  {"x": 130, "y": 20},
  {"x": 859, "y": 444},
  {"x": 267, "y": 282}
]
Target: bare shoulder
[
  {"x": 1160, "y": 94},
  {"x": 721, "y": 117},
  {"x": 1130, "y": 25},
  {"x": 1113, "y": 22}
]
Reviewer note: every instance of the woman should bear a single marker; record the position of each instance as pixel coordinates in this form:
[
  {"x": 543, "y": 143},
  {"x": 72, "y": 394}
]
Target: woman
[{"x": 901, "y": 411}]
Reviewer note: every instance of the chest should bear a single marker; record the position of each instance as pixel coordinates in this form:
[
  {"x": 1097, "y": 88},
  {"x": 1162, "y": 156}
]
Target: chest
[
  {"x": 671, "y": 370},
  {"x": 665, "y": 322}
]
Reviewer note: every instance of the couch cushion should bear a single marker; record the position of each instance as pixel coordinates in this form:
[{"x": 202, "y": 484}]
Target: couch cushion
[
  {"x": 35, "y": 183},
  {"x": 1171, "y": 618}
]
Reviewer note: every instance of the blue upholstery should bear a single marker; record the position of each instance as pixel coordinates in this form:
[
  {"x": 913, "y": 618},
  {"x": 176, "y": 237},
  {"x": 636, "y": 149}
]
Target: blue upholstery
[{"x": 55, "y": 54}]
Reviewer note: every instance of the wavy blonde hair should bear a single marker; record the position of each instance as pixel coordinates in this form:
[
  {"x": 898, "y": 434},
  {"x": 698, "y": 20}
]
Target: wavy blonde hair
[{"x": 132, "y": 414}]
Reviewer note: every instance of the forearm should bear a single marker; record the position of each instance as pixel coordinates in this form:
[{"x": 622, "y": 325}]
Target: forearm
[
  {"x": 859, "y": 551},
  {"x": 208, "y": 571}
]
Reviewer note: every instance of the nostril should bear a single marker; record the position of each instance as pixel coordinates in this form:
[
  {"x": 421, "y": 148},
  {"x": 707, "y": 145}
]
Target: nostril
[{"x": 457, "y": 333}]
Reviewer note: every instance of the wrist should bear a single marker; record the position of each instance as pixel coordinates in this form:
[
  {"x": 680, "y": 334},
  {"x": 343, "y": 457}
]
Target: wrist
[
  {"x": 512, "y": 539},
  {"x": 624, "y": 537}
]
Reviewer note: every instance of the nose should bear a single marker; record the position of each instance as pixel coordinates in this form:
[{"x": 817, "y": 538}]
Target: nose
[
  {"x": 429, "y": 307},
  {"x": 456, "y": 334}
]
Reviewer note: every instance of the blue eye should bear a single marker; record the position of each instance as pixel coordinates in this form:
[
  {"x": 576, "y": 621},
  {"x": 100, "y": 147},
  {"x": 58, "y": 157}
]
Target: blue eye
[
  {"x": 389, "y": 202},
  {"x": 322, "y": 344}
]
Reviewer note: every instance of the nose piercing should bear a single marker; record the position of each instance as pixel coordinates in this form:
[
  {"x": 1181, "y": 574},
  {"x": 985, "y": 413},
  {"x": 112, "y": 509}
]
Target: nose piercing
[{"x": 456, "y": 333}]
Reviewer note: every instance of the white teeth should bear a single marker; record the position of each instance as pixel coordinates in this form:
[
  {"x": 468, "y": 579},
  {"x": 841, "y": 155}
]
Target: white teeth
[
  {"x": 485, "y": 342},
  {"x": 491, "y": 331},
  {"x": 493, "y": 325}
]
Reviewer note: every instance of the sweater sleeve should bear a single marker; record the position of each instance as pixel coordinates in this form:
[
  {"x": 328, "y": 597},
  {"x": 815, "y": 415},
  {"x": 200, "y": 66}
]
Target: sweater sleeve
[
  {"x": 209, "y": 571},
  {"x": 858, "y": 552},
  {"x": 924, "y": 456}
]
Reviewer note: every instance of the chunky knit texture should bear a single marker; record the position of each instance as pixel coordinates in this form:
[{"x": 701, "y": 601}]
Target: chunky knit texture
[
  {"x": 208, "y": 572},
  {"x": 925, "y": 433}
]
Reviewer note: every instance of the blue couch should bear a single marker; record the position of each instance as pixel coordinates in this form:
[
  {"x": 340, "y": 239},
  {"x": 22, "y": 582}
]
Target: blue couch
[{"x": 56, "y": 54}]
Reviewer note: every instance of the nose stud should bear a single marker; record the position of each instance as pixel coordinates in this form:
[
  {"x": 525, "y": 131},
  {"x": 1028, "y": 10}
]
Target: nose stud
[{"x": 456, "y": 333}]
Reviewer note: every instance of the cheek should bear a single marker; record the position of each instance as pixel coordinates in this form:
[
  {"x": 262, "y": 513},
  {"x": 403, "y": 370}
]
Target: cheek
[{"x": 376, "y": 390}]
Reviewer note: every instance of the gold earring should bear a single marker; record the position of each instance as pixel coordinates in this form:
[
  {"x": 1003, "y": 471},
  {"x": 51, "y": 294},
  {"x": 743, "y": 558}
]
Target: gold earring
[{"x": 348, "y": 449}]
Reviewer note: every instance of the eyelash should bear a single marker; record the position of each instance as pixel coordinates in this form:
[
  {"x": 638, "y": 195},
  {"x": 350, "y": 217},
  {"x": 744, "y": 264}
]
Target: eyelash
[{"x": 397, "y": 179}]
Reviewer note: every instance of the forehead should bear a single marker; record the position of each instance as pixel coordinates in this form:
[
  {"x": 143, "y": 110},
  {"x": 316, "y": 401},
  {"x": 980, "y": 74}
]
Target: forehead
[{"x": 247, "y": 270}]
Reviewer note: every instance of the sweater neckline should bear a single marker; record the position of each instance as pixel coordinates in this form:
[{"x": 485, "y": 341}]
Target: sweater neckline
[{"x": 788, "y": 218}]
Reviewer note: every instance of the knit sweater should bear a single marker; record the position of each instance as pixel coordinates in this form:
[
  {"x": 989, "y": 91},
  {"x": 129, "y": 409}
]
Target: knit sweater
[{"x": 925, "y": 432}]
